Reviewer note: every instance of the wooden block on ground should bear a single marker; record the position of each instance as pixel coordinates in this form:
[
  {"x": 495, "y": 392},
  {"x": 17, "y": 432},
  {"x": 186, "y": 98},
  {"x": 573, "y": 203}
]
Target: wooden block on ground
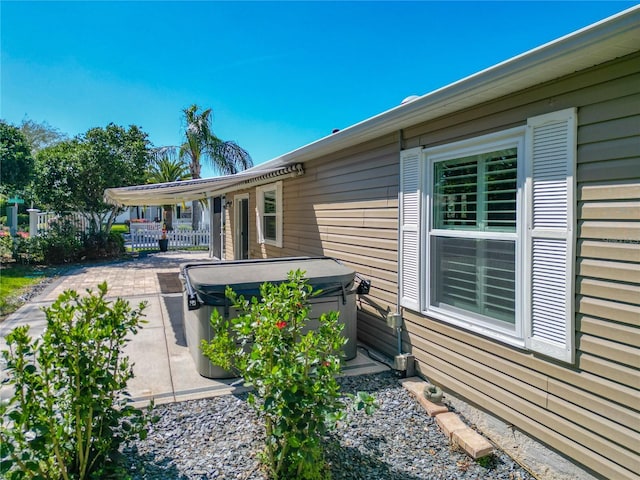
[
  {"x": 415, "y": 385},
  {"x": 449, "y": 422},
  {"x": 472, "y": 442}
]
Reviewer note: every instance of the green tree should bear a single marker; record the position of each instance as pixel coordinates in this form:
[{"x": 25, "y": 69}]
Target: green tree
[
  {"x": 40, "y": 135},
  {"x": 72, "y": 175},
  {"x": 16, "y": 162},
  {"x": 201, "y": 144},
  {"x": 166, "y": 168}
]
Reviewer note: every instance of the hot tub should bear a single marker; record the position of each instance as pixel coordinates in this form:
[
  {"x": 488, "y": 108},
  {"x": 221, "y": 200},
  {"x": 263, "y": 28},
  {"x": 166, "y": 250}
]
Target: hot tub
[{"x": 205, "y": 284}]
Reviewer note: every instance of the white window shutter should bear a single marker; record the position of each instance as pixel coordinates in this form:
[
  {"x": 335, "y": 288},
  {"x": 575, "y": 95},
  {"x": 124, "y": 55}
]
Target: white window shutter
[
  {"x": 259, "y": 210},
  {"x": 409, "y": 234},
  {"x": 259, "y": 233},
  {"x": 279, "y": 214},
  {"x": 549, "y": 286}
]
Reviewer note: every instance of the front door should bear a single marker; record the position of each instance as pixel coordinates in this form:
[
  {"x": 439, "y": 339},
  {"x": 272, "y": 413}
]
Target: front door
[{"x": 242, "y": 227}]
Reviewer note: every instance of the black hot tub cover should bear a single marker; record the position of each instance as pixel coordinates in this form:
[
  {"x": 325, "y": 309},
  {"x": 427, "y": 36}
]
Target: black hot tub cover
[{"x": 209, "y": 280}]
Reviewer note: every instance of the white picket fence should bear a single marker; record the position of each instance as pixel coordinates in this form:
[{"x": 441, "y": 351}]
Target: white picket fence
[
  {"x": 184, "y": 223},
  {"x": 148, "y": 239},
  {"x": 45, "y": 220},
  {"x": 144, "y": 235}
]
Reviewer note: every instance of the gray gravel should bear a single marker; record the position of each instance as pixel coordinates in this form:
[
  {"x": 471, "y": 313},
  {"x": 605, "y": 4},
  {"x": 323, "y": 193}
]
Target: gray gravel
[{"x": 220, "y": 438}]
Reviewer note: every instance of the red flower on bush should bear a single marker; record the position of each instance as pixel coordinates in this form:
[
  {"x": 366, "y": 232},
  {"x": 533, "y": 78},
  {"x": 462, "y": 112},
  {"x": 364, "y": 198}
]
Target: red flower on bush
[{"x": 281, "y": 324}]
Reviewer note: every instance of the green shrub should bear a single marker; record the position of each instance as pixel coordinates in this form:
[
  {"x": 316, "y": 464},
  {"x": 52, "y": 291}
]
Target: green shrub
[
  {"x": 100, "y": 245},
  {"x": 60, "y": 244},
  {"x": 293, "y": 373},
  {"x": 6, "y": 246},
  {"x": 28, "y": 250},
  {"x": 69, "y": 413}
]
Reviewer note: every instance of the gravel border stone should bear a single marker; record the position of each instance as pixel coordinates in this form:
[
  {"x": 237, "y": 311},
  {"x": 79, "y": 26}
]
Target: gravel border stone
[{"x": 221, "y": 437}]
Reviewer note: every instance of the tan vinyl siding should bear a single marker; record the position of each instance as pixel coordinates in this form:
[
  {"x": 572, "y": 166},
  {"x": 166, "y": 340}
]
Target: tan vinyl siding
[
  {"x": 346, "y": 210},
  {"x": 346, "y": 206},
  {"x": 588, "y": 411}
]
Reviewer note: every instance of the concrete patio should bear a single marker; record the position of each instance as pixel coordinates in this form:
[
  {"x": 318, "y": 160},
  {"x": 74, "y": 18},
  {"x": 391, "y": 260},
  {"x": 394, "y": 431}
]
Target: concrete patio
[{"x": 164, "y": 370}]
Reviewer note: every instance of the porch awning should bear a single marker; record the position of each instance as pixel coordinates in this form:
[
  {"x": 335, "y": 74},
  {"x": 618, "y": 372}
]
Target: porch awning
[{"x": 183, "y": 191}]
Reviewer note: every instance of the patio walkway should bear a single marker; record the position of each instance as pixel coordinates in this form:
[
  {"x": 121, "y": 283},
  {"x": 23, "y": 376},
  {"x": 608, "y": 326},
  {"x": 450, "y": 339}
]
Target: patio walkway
[{"x": 163, "y": 367}]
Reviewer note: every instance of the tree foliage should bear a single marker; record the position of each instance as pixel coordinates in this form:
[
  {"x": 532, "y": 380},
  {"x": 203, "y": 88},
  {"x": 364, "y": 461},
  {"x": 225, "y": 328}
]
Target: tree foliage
[
  {"x": 201, "y": 144},
  {"x": 166, "y": 168},
  {"x": 40, "y": 135},
  {"x": 16, "y": 162},
  {"x": 72, "y": 175}
]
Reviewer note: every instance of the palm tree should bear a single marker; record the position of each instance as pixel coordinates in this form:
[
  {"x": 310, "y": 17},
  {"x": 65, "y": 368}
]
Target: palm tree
[
  {"x": 201, "y": 144},
  {"x": 165, "y": 169}
]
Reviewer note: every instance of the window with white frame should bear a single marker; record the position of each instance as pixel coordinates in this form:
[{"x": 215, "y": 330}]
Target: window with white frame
[
  {"x": 486, "y": 233},
  {"x": 269, "y": 218},
  {"x": 472, "y": 240}
]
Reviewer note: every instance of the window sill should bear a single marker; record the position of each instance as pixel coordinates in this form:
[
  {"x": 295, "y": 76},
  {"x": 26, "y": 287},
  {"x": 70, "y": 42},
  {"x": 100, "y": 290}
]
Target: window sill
[{"x": 272, "y": 243}]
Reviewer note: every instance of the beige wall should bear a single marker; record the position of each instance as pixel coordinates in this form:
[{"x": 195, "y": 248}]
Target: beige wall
[{"x": 345, "y": 206}]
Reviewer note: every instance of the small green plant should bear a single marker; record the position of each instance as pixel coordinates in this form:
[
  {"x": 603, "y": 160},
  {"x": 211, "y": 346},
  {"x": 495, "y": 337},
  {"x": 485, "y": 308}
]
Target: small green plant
[
  {"x": 69, "y": 413},
  {"x": 292, "y": 370},
  {"x": 488, "y": 461},
  {"x": 6, "y": 246}
]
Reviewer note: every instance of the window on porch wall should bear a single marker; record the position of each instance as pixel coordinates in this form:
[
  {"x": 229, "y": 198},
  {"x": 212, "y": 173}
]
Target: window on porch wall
[{"x": 269, "y": 218}]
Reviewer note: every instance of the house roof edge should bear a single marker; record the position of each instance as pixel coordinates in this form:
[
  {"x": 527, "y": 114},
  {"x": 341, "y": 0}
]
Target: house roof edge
[{"x": 616, "y": 36}]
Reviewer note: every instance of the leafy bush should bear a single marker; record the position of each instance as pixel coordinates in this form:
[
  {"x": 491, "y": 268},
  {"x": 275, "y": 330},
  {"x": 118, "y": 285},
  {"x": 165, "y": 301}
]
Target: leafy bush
[
  {"x": 63, "y": 243},
  {"x": 23, "y": 219},
  {"x": 28, "y": 250},
  {"x": 294, "y": 373},
  {"x": 6, "y": 246},
  {"x": 69, "y": 413},
  {"x": 100, "y": 245},
  {"x": 60, "y": 244}
]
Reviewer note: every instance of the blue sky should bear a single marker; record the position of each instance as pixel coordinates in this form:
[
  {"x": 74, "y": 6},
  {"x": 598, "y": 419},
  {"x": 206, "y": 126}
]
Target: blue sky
[{"x": 278, "y": 75}]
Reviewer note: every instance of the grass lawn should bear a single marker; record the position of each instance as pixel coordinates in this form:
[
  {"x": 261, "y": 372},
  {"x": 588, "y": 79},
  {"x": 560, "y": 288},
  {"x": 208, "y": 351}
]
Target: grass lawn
[{"x": 14, "y": 281}]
